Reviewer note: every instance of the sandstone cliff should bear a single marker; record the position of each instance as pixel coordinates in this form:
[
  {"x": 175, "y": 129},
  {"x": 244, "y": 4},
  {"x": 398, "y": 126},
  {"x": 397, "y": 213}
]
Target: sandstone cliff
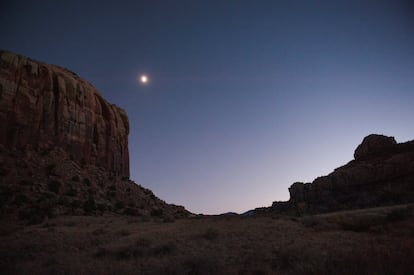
[
  {"x": 63, "y": 148},
  {"x": 44, "y": 106},
  {"x": 382, "y": 173}
]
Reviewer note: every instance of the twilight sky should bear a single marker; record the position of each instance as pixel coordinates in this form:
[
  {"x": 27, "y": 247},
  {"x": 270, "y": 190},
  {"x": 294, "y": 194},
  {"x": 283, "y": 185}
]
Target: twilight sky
[{"x": 245, "y": 97}]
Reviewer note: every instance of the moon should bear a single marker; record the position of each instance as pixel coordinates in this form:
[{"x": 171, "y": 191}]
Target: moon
[{"x": 143, "y": 79}]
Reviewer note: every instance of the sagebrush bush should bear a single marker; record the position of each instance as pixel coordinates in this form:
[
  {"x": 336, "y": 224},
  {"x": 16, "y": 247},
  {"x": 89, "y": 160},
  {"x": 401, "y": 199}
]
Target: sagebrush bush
[
  {"x": 54, "y": 186},
  {"x": 211, "y": 234},
  {"x": 399, "y": 214}
]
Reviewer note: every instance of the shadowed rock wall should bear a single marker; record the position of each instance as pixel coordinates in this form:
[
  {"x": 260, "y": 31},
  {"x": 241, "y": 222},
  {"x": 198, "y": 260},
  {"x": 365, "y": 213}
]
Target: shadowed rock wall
[
  {"x": 44, "y": 106},
  {"x": 381, "y": 174}
]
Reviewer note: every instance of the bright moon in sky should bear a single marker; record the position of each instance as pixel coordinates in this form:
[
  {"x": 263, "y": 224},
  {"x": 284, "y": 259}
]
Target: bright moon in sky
[{"x": 144, "y": 79}]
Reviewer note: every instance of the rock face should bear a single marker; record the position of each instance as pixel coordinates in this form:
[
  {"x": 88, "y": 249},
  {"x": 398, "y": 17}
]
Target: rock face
[
  {"x": 44, "y": 106},
  {"x": 64, "y": 149},
  {"x": 381, "y": 174},
  {"x": 373, "y": 145}
]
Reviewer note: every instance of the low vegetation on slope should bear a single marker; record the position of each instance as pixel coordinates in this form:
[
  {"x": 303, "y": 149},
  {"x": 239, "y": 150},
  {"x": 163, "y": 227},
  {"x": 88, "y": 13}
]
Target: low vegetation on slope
[
  {"x": 38, "y": 185},
  {"x": 373, "y": 241}
]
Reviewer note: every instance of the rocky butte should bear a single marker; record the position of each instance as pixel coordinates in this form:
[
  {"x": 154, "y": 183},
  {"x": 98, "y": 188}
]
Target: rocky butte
[
  {"x": 44, "y": 106},
  {"x": 382, "y": 173},
  {"x": 63, "y": 147}
]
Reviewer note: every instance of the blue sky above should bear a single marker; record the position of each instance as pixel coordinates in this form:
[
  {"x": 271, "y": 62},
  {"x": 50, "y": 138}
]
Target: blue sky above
[{"x": 245, "y": 97}]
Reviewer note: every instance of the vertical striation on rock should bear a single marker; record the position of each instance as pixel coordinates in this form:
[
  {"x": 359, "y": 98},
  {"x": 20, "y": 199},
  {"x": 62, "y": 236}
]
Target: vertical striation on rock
[{"x": 45, "y": 106}]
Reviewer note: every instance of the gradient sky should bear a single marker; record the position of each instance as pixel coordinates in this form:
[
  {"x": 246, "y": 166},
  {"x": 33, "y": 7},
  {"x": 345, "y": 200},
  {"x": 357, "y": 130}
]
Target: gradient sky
[{"x": 246, "y": 97}]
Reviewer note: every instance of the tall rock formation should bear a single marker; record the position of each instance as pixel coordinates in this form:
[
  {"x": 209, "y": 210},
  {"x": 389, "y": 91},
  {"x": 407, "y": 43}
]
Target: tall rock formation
[
  {"x": 64, "y": 149},
  {"x": 44, "y": 106}
]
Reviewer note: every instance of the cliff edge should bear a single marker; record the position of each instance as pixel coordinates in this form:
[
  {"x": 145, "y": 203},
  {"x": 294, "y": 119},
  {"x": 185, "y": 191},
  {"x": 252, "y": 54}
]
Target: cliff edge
[
  {"x": 64, "y": 149},
  {"x": 44, "y": 106},
  {"x": 382, "y": 173}
]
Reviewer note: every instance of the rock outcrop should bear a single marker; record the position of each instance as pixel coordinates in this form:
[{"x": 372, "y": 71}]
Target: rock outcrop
[
  {"x": 382, "y": 173},
  {"x": 374, "y": 145},
  {"x": 64, "y": 149},
  {"x": 44, "y": 106}
]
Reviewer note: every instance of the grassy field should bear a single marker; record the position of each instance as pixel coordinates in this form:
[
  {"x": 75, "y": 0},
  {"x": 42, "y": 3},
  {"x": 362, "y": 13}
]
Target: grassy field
[{"x": 372, "y": 241}]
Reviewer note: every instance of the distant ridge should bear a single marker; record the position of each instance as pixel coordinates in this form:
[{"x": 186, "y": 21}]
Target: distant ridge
[{"x": 382, "y": 173}]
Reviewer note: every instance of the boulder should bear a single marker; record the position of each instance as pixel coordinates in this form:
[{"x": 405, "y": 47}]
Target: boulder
[{"x": 373, "y": 145}]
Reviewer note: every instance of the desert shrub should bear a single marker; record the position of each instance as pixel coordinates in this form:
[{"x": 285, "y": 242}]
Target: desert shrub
[
  {"x": 121, "y": 253},
  {"x": 110, "y": 194},
  {"x": 141, "y": 248},
  {"x": 87, "y": 181},
  {"x": 70, "y": 223},
  {"x": 157, "y": 212},
  {"x": 92, "y": 191},
  {"x": 64, "y": 201},
  {"x": 25, "y": 182},
  {"x": 317, "y": 223},
  {"x": 76, "y": 204},
  {"x": 21, "y": 199},
  {"x": 163, "y": 249},
  {"x": 37, "y": 215},
  {"x": 6, "y": 192},
  {"x": 4, "y": 171},
  {"x": 119, "y": 205},
  {"x": 398, "y": 214},
  {"x": 124, "y": 232},
  {"x": 143, "y": 242},
  {"x": 132, "y": 211},
  {"x": 200, "y": 265},
  {"x": 50, "y": 168},
  {"x": 54, "y": 186},
  {"x": 101, "y": 207},
  {"x": 211, "y": 234},
  {"x": 356, "y": 225},
  {"x": 101, "y": 252},
  {"x": 35, "y": 218},
  {"x": 301, "y": 208},
  {"x": 310, "y": 221},
  {"x": 168, "y": 219},
  {"x": 83, "y": 162},
  {"x": 45, "y": 152},
  {"x": 71, "y": 193},
  {"x": 89, "y": 205},
  {"x": 99, "y": 231}
]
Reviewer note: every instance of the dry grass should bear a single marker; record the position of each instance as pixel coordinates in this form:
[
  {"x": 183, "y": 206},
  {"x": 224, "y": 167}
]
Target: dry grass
[{"x": 376, "y": 241}]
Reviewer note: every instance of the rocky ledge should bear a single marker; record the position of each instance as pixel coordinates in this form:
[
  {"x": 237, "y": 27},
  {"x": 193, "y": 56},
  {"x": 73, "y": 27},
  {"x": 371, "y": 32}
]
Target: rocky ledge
[{"x": 382, "y": 173}]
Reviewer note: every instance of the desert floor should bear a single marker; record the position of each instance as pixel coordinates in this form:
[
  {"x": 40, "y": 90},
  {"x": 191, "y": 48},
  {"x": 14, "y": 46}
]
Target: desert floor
[{"x": 371, "y": 241}]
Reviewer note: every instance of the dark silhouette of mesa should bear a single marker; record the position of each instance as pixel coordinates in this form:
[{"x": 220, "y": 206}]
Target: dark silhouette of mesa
[{"x": 69, "y": 207}]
